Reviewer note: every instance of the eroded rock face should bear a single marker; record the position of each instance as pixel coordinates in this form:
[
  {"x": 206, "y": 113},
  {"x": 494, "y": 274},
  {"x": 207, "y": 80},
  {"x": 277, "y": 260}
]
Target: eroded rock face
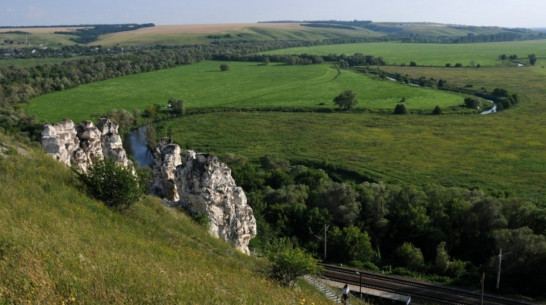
[
  {"x": 60, "y": 140},
  {"x": 80, "y": 145},
  {"x": 206, "y": 186},
  {"x": 203, "y": 185},
  {"x": 166, "y": 159}
]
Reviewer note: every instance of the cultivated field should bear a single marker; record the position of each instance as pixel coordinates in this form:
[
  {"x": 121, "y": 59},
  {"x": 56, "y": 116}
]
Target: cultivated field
[
  {"x": 432, "y": 54},
  {"x": 244, "y": 85},
  {"x": 206, "y": 33}
]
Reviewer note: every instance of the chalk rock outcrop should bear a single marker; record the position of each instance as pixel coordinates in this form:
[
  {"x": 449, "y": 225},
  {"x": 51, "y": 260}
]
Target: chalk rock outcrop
[
  {"x": 79, "y": 145},
  {"x": 166, "y": 159},
  {"x": 60, "y": 140},
  {"x": 203, "y": 185}
]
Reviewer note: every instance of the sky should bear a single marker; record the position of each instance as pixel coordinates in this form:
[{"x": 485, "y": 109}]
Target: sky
[{"x": 505, "y": 13}]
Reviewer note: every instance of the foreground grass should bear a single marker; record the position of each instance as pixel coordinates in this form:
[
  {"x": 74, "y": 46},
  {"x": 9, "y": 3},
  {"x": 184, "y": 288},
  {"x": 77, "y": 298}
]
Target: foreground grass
[
  {"x": 244, "y": 85},
  {"x": 426, "y": 54},
  {"x": 58, "y": 246}
]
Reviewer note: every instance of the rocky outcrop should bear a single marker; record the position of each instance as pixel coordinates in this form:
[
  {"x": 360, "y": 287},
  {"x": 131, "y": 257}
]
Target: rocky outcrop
[
  {"x": 200, "y": 182},
  {"x": 206, "y": 186},
  {"x": 166, "y": 159},
  {"x": 80, "y": 145},
  {"x": 203, "y": 185}
]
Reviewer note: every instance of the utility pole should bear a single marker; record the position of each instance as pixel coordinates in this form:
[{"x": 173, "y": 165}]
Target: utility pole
[
  {"x": 499, "y": 270},
  {"x": 325, "y": 237}
]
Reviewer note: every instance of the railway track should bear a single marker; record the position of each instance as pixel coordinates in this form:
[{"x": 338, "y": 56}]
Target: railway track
[{"x": 420, "y": 292}]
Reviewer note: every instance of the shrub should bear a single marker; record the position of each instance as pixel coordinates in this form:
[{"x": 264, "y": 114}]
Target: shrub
[
  {"x": 116, "y": 185},
  {"x": 400, "y": 109},
  {"x": 409, "y": 256},
  {"x": 288, "y": 262},
  {"x": 437, "y": 110},
  {"x": 224, "y": 67}
]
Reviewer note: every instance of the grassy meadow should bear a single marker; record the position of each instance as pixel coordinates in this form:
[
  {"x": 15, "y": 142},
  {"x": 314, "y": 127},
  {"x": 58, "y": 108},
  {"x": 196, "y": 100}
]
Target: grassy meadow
[
  {"x": 432, "y": 54},
  {"x": 244, "y": 85},
  {"x": 58, "y": 246},
  {"x": 492, "y": 152}
]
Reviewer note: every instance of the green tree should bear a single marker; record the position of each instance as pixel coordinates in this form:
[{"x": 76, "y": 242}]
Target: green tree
[
  {"x": 532, "y": 59},
  {"x": 340, "y": 200},
  {"x": 409, "y": 256},
  {"x": 472, "y": 103},
  {"x": 114, "y": 184},
  {"x": 346, "y": 100},
  {"x": 437, "y": 110},
  {"x": 177, "y": 106},
  {"x": 442, "y": 258},
  {"x": 289, "y": 262},
  {"x": 351, "y": 245},
  {"x": 224, "y": 67},
  {"x": 123, "y": 118},
  {"x": 400, "y": 109}
]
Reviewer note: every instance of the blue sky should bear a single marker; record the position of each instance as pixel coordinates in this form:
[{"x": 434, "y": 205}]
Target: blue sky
[{"x": 507, "y": 13}]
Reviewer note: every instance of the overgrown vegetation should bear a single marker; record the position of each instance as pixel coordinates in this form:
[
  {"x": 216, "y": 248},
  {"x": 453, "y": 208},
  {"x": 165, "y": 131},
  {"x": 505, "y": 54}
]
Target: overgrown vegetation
[{"x": 452, "y": 234}]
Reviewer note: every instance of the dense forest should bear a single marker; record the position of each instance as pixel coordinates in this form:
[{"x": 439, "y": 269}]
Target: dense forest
[{"x": 451, "y": 234}]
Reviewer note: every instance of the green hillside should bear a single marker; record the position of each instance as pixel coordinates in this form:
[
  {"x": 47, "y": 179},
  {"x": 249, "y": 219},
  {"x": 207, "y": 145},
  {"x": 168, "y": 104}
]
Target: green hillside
[{"x": 58, "y": 246}]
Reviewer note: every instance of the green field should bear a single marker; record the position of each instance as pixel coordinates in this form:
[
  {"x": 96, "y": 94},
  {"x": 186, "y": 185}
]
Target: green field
[
  {"x": 503, "y": 152},
  {"x": 487, "y": 152},
  {"x": 432, "y": 54},
  {"x": 244, "y": 85}
]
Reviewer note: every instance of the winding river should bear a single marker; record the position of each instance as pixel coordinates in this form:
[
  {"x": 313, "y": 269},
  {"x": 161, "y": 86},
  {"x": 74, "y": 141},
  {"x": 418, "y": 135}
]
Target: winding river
[{"x": 139, "y": 147}]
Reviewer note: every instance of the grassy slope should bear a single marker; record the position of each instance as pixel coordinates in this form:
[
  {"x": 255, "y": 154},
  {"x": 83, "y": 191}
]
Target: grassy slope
[
  {"x": 485, "y": 54},
  {"x": 57, "y": 245},
  {"x": 244, "y": 85}
]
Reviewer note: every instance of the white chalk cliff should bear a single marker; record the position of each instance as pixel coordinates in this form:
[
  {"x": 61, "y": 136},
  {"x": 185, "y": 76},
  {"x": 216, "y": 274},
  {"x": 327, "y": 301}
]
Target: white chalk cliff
[
  {"x": 80, "y": 145},
  {"x": 204, "y": 185}
]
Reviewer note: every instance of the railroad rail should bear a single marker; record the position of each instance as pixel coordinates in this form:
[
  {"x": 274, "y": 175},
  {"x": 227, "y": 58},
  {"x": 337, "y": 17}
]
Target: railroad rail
[{"x": 420, "y": 292}]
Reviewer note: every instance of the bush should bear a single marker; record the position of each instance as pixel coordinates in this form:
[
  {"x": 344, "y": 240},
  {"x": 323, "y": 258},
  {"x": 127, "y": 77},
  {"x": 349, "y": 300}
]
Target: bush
[
  {"x": 288, "y": 262},
  {"x": 409, "y": 256},
  {"x": 224, "y": 67},
  {"x": 400, "y": 109},
  {"x": 116, "y": 185}
]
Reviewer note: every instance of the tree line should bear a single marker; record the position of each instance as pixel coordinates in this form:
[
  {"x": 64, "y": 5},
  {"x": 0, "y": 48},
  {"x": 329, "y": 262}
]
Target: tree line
[
  {"x": 451, "y": 234},
  {"x": 90, "y": 34}
]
